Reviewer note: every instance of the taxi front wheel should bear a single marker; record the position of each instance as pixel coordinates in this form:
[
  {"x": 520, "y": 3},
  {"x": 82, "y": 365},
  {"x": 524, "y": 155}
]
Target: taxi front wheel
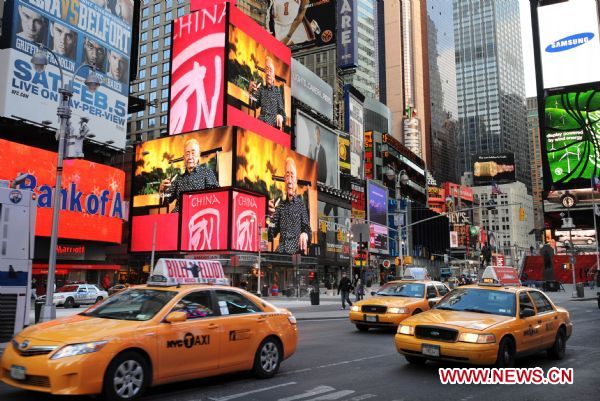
[
  {"x": 126, "y": 378},
  {"x": 267, "y": 359},
  {"x": 506, "y": 354}
]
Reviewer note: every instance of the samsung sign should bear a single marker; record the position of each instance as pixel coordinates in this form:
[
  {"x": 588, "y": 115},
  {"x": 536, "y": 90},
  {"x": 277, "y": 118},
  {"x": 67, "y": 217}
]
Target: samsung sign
[
  {"x": 347, "y": 33},
  {"x": 311, "y": 90},
  {"x": 569, "y": 39}
]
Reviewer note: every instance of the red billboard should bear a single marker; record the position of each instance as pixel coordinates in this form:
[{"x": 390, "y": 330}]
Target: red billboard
[
  {"x": 92, "y": 206},
  {"x": 247, "y": 220},
  {"x": 204, "y": 218},
  {"x": 197, "y": 70}
]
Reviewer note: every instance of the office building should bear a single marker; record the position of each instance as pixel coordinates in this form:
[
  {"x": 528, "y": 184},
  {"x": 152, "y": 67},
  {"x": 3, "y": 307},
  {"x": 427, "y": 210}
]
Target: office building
[{"x": 490, "y": 83}]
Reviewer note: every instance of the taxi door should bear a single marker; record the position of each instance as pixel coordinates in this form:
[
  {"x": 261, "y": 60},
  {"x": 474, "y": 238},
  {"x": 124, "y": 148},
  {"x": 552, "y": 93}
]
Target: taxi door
[
  {"x": 193, "y": 345},
  {"x": 548, "y": 317},
  {"x": 81, "y": 296},
  {"x": 244, "y": 326},
  {"x": 528, "y": 333}
]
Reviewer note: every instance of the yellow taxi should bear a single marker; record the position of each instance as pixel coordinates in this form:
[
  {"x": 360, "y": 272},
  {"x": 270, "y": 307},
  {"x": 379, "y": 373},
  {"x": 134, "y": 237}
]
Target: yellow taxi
[
  {"x": 153, "y": 334},
  {"x": 491, "y": 323},
  {"x": 394, "y": 302}
]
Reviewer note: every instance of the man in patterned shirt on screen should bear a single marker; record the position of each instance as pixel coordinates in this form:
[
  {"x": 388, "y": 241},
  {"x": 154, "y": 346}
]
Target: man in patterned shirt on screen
[
  {"x": 290, "y": 217},
  {"x": 194, "y": 178},
  {"x": 269, "y": 98}
]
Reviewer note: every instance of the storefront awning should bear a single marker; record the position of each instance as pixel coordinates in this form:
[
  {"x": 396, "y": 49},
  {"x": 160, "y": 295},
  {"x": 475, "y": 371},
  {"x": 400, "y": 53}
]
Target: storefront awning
[{"x": 42, "y": 268}]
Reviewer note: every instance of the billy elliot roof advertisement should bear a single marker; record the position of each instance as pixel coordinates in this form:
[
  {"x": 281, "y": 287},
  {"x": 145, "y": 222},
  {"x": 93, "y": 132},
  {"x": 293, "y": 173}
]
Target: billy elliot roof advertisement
[
  {"x": 77, "y": 32},
  {"x": 197, "y": 70},
  {"x": 569, "y": 43},
  {"x": 301, "y": 24},
  {"x": 320, "y": 144},
  {"x": 571, "y": 140}
]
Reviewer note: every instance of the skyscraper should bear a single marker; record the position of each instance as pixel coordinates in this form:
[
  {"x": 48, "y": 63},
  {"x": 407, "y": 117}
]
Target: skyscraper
[
  {"x": 533, "y": 125},
  {"x": 442, "y": 91},
  {"x": 490, "y": 83}
]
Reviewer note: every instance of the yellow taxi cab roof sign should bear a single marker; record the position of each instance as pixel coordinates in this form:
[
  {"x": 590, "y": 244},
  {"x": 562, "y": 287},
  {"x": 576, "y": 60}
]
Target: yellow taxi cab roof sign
[
  {"x": 500, "y": 276},
  {"x": 168, "y": 272}
]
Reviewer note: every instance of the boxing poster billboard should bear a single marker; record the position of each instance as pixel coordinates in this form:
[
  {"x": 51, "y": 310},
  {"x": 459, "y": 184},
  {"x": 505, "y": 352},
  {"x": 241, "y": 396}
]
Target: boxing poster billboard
[
  {"x": 77, "y": 32},
  {"x": 196, "y": 99},
  {"x": 301, "y": 24}
]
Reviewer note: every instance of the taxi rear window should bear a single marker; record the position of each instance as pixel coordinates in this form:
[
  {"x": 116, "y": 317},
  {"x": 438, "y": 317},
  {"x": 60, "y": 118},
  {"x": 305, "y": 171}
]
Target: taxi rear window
[
  {"x": 133, "y": 304},
  {"x": 479, "y": 301},
  {"x": 411, "y": 290}
]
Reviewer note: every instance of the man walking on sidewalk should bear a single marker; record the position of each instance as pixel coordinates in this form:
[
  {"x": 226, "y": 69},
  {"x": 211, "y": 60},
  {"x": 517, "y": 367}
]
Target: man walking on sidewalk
[{"x": 345, "y": 287}]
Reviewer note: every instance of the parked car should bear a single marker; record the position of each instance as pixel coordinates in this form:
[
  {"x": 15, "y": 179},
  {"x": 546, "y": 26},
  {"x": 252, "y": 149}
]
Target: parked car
[
  {"x": 577, "y": 240},
  {"x": 73, "y": 295}
]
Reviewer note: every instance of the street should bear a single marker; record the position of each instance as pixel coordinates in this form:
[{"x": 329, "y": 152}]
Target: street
[{"x": 336, "y": 362}]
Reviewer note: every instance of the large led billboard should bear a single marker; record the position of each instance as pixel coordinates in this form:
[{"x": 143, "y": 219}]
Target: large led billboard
[
  {"x": 197, "y": 70},
  {"x": 498, "y": 168},
  {"x": 92, "y": 206},
  {"x": 303, "y": 24},
  {"x": 258, "y": 76},
  {"x": 77, "y": 32},
  {"x": 334, "y": 230},
  {"x": 288, "y": 180},
  {"x": 161, "y": 164},
  {"x": 377, "y": 201},
  {"x": 569, "y": 43},
  {"x": 571, "y": 139},
  {"x": 344, "y": 152},
  {"x": 320, "y": 144},
  {"x": 378, "y": 238}
]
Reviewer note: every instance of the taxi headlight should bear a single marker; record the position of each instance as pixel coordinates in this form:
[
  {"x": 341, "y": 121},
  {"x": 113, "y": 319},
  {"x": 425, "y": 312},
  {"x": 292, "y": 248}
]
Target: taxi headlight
[
  {"x": 406, "y": 330},
  {"x": 477, "y": 338},
  {"x": 397, "y": 310},
  {"x": 79, "y": 349},
  {"x": 355, "y": 308}
]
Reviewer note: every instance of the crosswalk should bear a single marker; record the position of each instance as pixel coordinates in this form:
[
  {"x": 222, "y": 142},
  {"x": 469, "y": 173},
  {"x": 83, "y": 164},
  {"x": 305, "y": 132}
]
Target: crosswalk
[{"x": 318, "y": 393}]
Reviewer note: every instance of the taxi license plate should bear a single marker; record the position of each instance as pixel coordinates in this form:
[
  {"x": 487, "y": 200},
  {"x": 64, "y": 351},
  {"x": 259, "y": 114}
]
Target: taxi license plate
[
  {"x": 430, "y": 350},
  {"x": 17, "y": 372},
  {"x": 371, "y": 319}
]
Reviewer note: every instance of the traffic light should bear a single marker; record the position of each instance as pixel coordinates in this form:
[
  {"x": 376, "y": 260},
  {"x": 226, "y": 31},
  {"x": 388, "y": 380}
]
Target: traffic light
[
  {"x": 521, "y": 214},
  {"x": 311, "y": 275}
]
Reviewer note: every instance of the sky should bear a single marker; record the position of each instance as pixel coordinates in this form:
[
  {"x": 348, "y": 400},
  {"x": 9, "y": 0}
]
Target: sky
[{"x": 527, "y": 47}]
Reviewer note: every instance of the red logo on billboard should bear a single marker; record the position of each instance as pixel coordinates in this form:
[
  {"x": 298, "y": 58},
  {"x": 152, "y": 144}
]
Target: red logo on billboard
[
  {"x": 248, "y": 211},
  {"x": 197, "y": 70},
  {"x": 204, "y": 221}
]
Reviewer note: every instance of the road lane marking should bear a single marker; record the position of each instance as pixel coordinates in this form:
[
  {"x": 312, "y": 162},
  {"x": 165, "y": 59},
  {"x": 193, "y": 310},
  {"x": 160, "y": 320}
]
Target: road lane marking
[
  {"x": 315, "y": 391},
  {"x": 362, "y": 397},
  {"x": 240, "y": 395},
  {"x": 333, "y": 396},
  {"x": 291, "y": 372}
]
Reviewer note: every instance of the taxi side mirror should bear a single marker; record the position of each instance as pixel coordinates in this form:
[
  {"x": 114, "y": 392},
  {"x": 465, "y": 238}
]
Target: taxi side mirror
[
  {"x": 433, "y": 302},
  {"x": 373, "y": 293},
  {"x": 175, "y": 317},
  {"x": 526, "y": 312}
]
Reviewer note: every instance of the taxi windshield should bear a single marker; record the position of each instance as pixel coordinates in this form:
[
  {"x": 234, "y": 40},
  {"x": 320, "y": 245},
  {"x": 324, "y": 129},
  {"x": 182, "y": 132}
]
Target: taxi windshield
[
  {"x": 135, "y": 304},
  {"x": 479, "y": 301},
  {"x": 410, "y": 290}
]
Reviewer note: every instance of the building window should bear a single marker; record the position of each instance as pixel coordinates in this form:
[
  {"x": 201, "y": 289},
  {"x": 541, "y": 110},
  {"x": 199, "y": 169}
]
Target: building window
[
  {"x": 156, "y": 20},
  {"x": 154, "y": 58},
  {"x": 166, "y": 54},
  {"x": 145, "y": 24},
  {"x": 157, "y": 8},
  {"x": 153, "y": 83},
  {"x": 153, "y": 71}
]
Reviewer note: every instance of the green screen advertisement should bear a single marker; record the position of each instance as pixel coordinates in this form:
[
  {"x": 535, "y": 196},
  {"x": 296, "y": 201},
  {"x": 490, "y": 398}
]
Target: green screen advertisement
[{"x": 571, "y": 139}]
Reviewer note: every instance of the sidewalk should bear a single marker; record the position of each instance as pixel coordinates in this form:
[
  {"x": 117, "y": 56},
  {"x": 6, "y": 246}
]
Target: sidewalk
[{"x": 330, "y": 304}]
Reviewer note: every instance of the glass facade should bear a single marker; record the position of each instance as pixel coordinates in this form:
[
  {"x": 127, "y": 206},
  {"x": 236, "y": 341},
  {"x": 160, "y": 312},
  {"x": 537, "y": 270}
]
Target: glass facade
[
  {"x": 442, "y": 90},
  {"x": 366, "y": 78},
  {"x": 490, "y": 82}
]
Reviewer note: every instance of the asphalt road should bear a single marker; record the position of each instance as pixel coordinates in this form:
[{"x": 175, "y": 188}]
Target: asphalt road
[{"x": 336, "y": 362}]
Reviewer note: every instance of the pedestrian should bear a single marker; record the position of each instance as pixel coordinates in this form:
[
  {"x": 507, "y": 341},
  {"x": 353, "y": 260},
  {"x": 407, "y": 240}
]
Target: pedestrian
[
  {"x": 359, "y": 290},
  {"x": 344, "y": 287}
]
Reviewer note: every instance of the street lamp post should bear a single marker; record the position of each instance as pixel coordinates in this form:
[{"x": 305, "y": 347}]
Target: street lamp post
[
  {"x": 400, "y": 178},
  {"x": 40, "y": 61}
]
